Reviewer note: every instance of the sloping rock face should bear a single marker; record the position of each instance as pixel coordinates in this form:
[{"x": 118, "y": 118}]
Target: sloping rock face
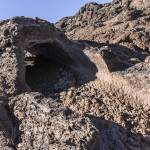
[
  {"x": 120, "y": 31},
  {"x": 122, "y": 21}
]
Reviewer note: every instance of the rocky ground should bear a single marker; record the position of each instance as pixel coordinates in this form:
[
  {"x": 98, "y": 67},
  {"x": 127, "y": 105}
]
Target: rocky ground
[{"x": 81, "y": 84}]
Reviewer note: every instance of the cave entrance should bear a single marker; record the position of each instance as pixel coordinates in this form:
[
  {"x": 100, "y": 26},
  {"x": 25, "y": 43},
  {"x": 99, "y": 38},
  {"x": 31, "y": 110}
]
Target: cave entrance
[{"x": 47, "y": 68}]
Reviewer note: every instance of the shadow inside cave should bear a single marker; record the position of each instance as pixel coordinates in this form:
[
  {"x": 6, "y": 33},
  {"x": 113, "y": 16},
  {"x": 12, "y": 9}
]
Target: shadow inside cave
[
  {"x": 48, "y": 69},
  {"x": 44, "y": 69},
  {"x": 44, "y": 76}
]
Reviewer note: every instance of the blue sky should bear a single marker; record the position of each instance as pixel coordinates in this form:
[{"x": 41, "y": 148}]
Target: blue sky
[{"x": 51, "y": 10}]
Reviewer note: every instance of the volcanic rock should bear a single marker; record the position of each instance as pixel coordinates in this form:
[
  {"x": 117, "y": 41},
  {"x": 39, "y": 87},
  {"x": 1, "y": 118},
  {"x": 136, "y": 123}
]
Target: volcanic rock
[
  {"x": 38, "y": 37},
  {"x": 83, "y": 83},
  {"x": 48, "y": 125}
]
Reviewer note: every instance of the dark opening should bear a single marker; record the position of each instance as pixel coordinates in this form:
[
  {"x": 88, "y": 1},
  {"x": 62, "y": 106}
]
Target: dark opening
[
  {"x": 53, "y": 53},
  {"x": 48, "y": 72}
]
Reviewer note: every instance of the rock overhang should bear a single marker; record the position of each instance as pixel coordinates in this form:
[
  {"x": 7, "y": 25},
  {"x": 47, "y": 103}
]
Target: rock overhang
[{"x": 37, "y": 37}]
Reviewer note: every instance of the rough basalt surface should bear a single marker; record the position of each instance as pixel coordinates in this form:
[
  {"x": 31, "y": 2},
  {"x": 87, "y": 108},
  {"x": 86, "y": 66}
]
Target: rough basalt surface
[
  {"x": 48, "y": 125},
  {"x": 122, "y": 22},
  {"x": 120, "y": 31},
  {"x": 40, "y": 38},
  {"x": 86, "y": 90}
]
